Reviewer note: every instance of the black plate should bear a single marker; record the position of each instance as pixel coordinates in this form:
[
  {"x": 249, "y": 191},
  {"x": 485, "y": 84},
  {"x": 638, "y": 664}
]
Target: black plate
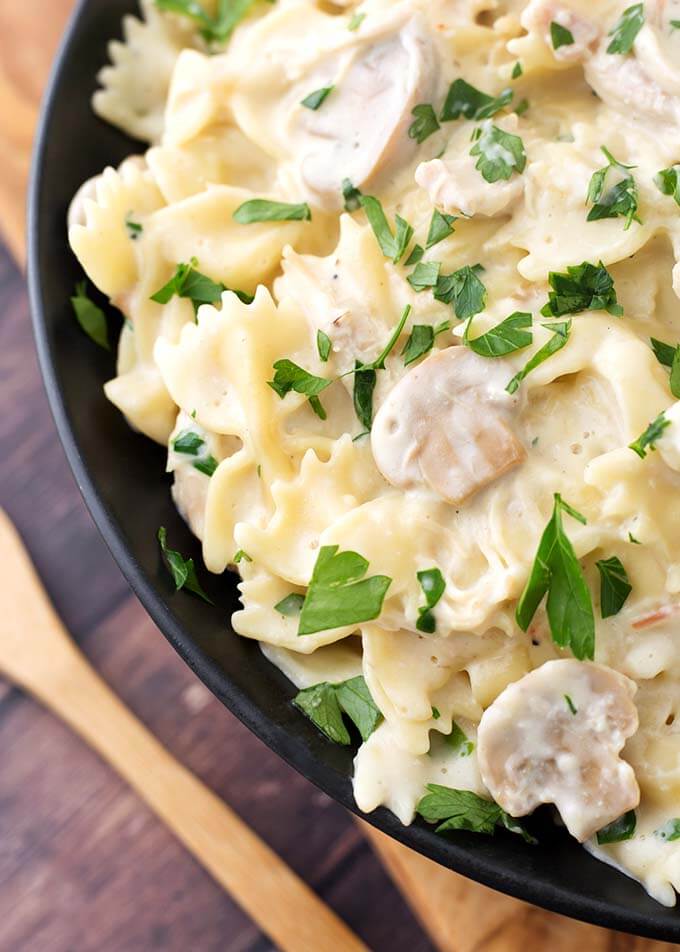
[{"x": 121, "y": 476}]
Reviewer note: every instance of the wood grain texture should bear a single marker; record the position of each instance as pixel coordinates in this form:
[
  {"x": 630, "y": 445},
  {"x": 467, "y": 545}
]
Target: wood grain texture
[{"x": 82, "y": 841}]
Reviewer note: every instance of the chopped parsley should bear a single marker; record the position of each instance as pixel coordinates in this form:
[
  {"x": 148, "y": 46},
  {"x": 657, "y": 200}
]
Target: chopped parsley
[
  {"x": 435, "y": 713},
  {"x": 671, "y": 830},
  {"x": 433, "y": 586},
  {"x": 619, "y": 830},
  {"x": 464, "y": 810},
  {"x": 355, "y": 21},
  {"x": 669, "y": 356},
  {"x": 392, "y": 245},
  {"x": 458, "y": 741},
  {"x": 182, "y": 570},
  {"x": 362, "y": 395},
  {"x": 441, "y": 226},
  {"x": 620, "y": 201},
  {"x": 90, "y": 317},
  {"x": 190, "y": 443},
  {"x": 315, "y": 99},
  {"x": 465, "y": 100},
  {"x": 424, "y": 275},
  {"x": 626, "y": 29},
  {"x": 289, "y": 376},
  {"x": 351, "y": 195},
  {"x": 324, "y": 704},
  {"x": 499, "y": 153},
  {"x": 421, "y": 340},
  {"x": 214, "y": 29},
  {"x": 505, "y": 338},
  {"x": 557, "y": 572},
  {"x": 647, "y": 440},
  {"x": 570, "y": 704},
  {"x": 463, "y": 290},
  {"x": 522, "y": 107},
  {"x": 416, "y": 255},
  {"x": 134, "y": 229},
  {"x": 291, "y": 604},
  {"x": 262, "y": 209},
  {"x": 517, "y": 70},
  {"x": 323, "y": 345},
  {"x": 338, "y": 594},
  {"x": 188, "y": 282},
  {"x": 241, "y": 556},
  {"x": 615, "y": 586},
  {"x": 584, "y": 287},
  {"x": 424, "y": 124},
  {"x": 560, "y": 36},
  {"x": 668, "y": 181},
  {"x": 561, "y": 332}
]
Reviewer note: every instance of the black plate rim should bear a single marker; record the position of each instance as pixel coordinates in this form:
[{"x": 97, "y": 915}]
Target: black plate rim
[{"x": 446, "y": 852}]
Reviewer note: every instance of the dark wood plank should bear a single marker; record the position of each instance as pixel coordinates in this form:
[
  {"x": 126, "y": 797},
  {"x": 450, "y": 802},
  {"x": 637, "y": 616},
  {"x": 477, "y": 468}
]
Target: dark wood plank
[{"x": 84, "y": 866}]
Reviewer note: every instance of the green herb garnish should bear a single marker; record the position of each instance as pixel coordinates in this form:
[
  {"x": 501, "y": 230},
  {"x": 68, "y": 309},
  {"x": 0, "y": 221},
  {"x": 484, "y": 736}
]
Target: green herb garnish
[
  {"x": 561, "y": 332},
  {"x": 325, "y": 703},
  {"x": 421, "y": 340},
  {"x": 621, "y": 829},
  {"x": 463, "y": 290},
  {"x": 668, "y": 181},
  {"x": 425, "y": 275},
  {"x": 441, "y": 226},
  {"x": 433, "y": 586},
  {"x": 671, "y": 830},
  {"x": 614, "y": 586},
  {"x": 458, "y": 741},
  {"x": 90, "y": 317},
  {"x": 339, "y": 595},
  {"x": 424, "y": 124},
  {"x": 262, "y": 209},
  {"x": 215, "y": 29},
  {"x": 464, "y": 810},
  {"x": 620, "y": 201},
  {"x": 584, "y": 287},
  {"x": 556, "y": 572},
  {"x": 134, "y": 229},
  {"x": 626, "y": 29},
  {"x": 291, "y": 604},
  {"x": 241, "y": 556},
  {"x": 355, "y": 21},
  {"x": 560, "y": 36},
  {"x": 505, "y": 338},
  {"x": 647, "y": 440},
  {"x": 570, "y": 704},
  {"x": 669, "y": 356},
  {"x": 182, "y": 570},
  {"x": 392, "y": 245},
  {"x": 351, "y": 195},
  {"x": 499, "y": 153},
  {"x": 465, "y": 100},
  {"x": 289, "y": 376},
  {"x": 314, "y": 100}
]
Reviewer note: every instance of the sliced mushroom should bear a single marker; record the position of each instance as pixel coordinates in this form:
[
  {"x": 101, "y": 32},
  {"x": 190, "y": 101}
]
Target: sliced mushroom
[
  {"x": 657, "y": 45},
  {"x": 362, "y": 127},
  {"x": 555, "y": 736},
  {"x": 446, "y": 425},
  {"x": 458, "y": 188},
  {"x": 538, "y": 16}
]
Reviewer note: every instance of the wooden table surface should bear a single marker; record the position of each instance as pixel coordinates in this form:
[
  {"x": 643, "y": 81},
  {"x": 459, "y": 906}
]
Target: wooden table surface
[{"x": 84, "y": 866}]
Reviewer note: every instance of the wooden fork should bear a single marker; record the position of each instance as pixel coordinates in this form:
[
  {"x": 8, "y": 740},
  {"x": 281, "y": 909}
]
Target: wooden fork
[{"x": 37, "y": 654}]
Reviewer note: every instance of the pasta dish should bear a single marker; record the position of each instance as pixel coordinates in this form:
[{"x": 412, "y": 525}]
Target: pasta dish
[{"x": 399, "y": 287}]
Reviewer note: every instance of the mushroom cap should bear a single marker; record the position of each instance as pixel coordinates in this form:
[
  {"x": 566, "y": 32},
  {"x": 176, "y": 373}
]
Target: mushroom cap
[
  {"x": 446, "y": 425},
  {"x": 533, "y": 749}
]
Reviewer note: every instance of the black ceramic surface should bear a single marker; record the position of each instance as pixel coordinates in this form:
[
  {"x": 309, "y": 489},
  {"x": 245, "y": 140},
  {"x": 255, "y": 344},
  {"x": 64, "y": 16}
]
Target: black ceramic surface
[{"x": 121, "y": 475}]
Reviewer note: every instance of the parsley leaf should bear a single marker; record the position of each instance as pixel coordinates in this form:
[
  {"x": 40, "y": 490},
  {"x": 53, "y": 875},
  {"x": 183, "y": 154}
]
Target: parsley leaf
[
  {"x": 291, "y": 604},
  {"x": 362, "y": 396},
  {"x": 424, "y": 124},
  {"x": 314, "y": 100},
  {"x": 289, "y": 376},
  {"x": 351, "y": 195},
  {"x": 463, "y": 290},
  {"x": 392, "y": 245},
  {"x": 424, "y": 275},
  {"x": 614, "y": 586},
  {"x": 182, "y": 570},
  {"x": 465, "y": 100},
  {"x": 668, "y": 181},
  {"x": 189, "y": 283},
  {"x": 262, "y": 209},
  {"x": 464, "y": 810},
  {"x": 560, "y": 36},
  {"x": 433, "y": 586},
  {"x": 416, "y": 255},
  {"x": 323, "y": 345},
  {"x": 215, "y": 29},
  {"x": 458, "y": 741},
  {"x": 338, "y": 594},
  {"x": 621, "y": 829},
  {"x": 355, "y": 21},
  {"x": 626, "y": 29},
  {"x": 325, "y": 703},
  {"x": 669, "y": 356},
  {"x": 517, "y": 70},
  {"x": 441, "y": 226},
  {"x": 134, "y": 229},
  {"x": 648, "y": 439},
  {"x": 190, "y": 443},
  {"x": 561, "y": 330},
  {"x": 241, "y": 556},
  {"x": 379, "y": 363},
  {"x": 584, "y": 287},
  {"x": 557, "y": 572},
  {"x": 500, "y": 153},
  {"x": 570, "y": 704},
  {"x": 622, "y": 198},
  {"x": 671, "y": 830},
  {"x": 90, "y": 317},
  {"x": 421, "y": 340},
  {"x": 505, "y": 338}
]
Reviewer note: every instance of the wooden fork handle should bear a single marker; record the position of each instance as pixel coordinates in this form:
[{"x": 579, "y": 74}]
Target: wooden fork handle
[{"x": 266, "y": 888}]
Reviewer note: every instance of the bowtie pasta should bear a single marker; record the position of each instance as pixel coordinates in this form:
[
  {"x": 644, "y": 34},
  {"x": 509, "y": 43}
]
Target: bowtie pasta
[{"x": 400, "y": 292}]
